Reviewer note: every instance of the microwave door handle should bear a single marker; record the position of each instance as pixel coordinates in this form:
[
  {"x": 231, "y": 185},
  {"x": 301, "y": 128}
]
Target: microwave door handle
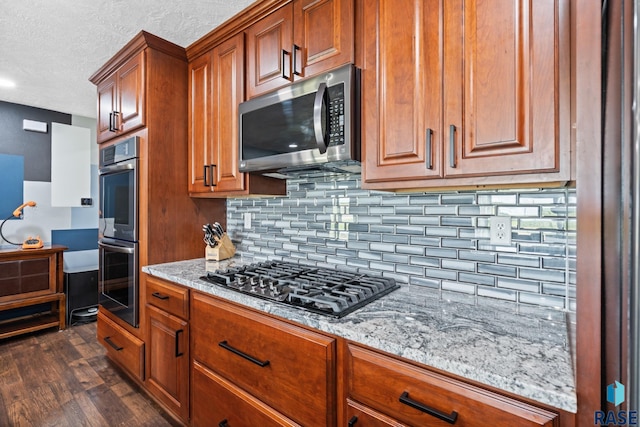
[
  {"x": 317, "y": 118},
  {"x": 116, "y": 248}
]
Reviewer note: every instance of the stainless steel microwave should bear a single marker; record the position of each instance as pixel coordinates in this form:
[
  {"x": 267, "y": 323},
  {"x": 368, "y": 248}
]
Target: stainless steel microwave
[{"x": 307, "y": 124}]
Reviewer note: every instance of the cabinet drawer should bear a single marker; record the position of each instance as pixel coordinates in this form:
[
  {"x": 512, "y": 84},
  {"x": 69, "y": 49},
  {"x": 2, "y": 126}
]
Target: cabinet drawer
[
  {"x": 232, "y": 404},
  {"x": 121, "y": 346},
  {"x": 289, "y": 368},
  {"x": 419, "y": 397},
  {"x": 170, "y": 298}
]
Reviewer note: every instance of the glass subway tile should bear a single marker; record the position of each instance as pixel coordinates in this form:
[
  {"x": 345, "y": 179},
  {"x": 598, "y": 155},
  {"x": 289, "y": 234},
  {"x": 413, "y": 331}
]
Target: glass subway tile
[
  {"x": 442, "y": 231},
  {"x": 477, "y": 256},
  {"x": 458, "y": 243},
  {"x": 441, "y": 252},
  {"x": 458, "y": 199},
  {"x": 458, "y": 287},
  {"x": 546, "y": 275},
  {"x": 518, "y": 260},
  {"x": 504, "y": 294},
  {"x": 499, "y": 270},
  {"x": 519, "y": 284},
  {"x": 395, "y": 238},
  {"x": 424, "y": 220},
  {"x": 458, "y": 265},
  {"x": 479, "y": 279},
  {"x": 421, "y": 281},
  {"x": 441, "y": 274},
  {"x": 457, "y": 221}
]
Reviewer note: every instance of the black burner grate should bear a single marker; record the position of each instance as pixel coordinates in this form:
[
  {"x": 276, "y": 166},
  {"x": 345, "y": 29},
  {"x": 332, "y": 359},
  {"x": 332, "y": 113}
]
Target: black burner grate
[{"x": 320, "y": 290}]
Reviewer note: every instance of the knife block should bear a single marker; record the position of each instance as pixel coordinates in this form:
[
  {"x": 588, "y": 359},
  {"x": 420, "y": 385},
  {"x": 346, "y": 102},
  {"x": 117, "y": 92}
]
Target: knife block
[{"x": 224, "y": 250}]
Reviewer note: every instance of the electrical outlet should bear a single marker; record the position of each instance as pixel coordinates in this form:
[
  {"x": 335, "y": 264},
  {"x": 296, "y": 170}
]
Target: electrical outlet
[
  {"x": 247, "y": 220},
  {"x": 500, "y": 230}
]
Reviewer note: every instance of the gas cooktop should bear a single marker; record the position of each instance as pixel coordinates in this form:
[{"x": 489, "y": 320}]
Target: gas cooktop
[{"x": 320, "y": 290}]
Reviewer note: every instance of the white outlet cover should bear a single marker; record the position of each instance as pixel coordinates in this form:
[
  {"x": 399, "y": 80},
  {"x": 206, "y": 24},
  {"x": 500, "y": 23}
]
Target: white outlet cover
[{"x": 500, "y": 230}]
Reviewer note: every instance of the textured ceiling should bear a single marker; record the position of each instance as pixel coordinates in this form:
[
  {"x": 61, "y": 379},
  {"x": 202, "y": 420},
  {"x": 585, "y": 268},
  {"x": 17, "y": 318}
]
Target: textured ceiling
[{"x": 49, "y": 48}]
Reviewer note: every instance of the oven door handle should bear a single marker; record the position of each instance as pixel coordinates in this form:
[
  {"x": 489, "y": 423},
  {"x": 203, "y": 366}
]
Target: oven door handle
[
  {"x": 117, "y": 248},
  {"x": 117, "y": 168}
]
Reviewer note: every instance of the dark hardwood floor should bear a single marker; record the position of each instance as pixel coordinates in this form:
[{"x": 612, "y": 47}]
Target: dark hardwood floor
[{"x": 64, "y": 379}]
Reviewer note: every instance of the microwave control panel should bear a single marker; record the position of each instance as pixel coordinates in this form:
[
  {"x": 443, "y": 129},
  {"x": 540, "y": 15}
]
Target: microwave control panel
[{"x": 336, "y": 115}]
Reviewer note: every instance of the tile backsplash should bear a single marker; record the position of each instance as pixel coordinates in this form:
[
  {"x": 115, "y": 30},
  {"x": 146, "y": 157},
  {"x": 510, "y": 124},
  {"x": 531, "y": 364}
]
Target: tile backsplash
[{"x": 439, "y": 240}]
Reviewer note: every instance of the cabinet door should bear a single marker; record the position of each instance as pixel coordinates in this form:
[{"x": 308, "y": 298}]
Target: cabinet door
[
  {"x": 324, "y": 35},
  {"x": 106, "y": 107},
  {"x": 228, "y": 92},
  {"x": 269, "y": 44},
  {"x": 167, "y": 369},
  {"x": 200, "y": 110},
  {"x": 233, "y": 406},
  {"x": 501, "y": 86},
  {"x": 131, "y": 91},
  {"x": 402, "y": 86}
]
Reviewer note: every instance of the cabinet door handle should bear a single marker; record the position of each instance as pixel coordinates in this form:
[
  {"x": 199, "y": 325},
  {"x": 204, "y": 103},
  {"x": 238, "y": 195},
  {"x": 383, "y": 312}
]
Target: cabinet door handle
[
  {"x": 213, "y": 181},
  {"x": 429, "y": 149},
  {"x": 178, "y": 352},
  {"x": 223, "y": 423},
  {"x": 206, "y": 175},
  {"x": 116, "y": 124},
  {"x": 284, "y": 73},
  {"x": 295, "y": 49},
  {"x": 160, "y": 296},
  {"x": 251, "y": 359},
  {"x": 352, "y": 421},
  {"x": 112, "y": 344},
  {"x": 449, "y": 418},
  {"x": 111, "y": 127},
  {"x": 452, "y": 146}
]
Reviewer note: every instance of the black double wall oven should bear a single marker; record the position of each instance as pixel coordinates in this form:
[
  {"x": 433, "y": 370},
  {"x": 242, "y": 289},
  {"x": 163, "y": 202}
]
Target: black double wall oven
[{"x": 118, "y": 230}]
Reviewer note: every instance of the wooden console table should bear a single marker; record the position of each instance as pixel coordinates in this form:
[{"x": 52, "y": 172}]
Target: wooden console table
[{"x": 29, "y": 277}]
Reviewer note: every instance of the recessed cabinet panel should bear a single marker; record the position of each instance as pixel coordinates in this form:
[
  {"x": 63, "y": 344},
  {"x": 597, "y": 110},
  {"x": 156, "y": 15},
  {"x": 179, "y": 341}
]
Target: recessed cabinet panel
[
  {"x": 131, "y": 91},
  {"x": 199, "y": 121},
  {"x": 228, "y": 93},
  {"x": 505, "y": 96},
  {"x": 324, "y": 33},
  {"x": 269, "y": 43},
  {"x": 402, "y": 59}
]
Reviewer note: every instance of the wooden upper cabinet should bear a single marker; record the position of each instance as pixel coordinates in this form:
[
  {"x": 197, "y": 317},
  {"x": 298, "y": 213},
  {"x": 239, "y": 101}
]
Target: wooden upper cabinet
[
  {"x": 323, "y": 35},
  {"x": 121, "y": 99},
  {"x": 269, "y": 43},
  {"x": 401, "y": 90},
  {"x": 300, "y": 39},
  {"x": 465, "y": 93},
  {"x": 200, "y": 158},
  {"x": 217, "y": 88},
  {"x": 216, "y": 81}
]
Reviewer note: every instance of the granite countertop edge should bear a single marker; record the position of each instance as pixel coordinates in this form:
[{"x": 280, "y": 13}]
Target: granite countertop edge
[{"x": 527, "y": 354}]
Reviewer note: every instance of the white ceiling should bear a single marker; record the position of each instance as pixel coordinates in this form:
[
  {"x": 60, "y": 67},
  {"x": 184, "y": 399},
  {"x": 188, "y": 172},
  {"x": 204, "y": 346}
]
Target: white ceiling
[{"x": 50, "y": 48}]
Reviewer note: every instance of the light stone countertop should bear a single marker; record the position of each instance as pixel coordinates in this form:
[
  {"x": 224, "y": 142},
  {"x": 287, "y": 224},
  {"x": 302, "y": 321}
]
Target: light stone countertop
[{"x": 520, "y": 349}]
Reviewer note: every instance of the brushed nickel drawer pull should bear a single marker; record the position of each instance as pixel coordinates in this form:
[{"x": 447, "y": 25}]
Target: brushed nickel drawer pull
[
  {"x": 451, "y": 419},
  {"x": 251, "y": 359}
]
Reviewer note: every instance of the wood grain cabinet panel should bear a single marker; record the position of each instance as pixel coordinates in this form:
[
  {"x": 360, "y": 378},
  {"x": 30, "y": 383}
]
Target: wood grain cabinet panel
[
  {"x": 233, "y": 406},
  {"x": 465, "y": 93},
  {"x": 167, "y": 368},
  {"x": 417, "y": 397},
  {"x": 122, "y": 347},
  {"x": 217, "y": 81},
  {"x": 298, "y": 40},
  {"x": 289, "y": 368},
  {"x": 121, "y": 100}
]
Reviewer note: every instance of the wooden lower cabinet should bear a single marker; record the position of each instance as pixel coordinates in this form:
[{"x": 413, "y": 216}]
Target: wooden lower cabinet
[
  {"x": 217, "y": 401},
  {"x": 167, "y": 356},
  {"x": 168, "y": 360},
  {"x": 289, "y": 368},
  {"x": 122, "y": 347},
  {"x": 409, "y": 395}
]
